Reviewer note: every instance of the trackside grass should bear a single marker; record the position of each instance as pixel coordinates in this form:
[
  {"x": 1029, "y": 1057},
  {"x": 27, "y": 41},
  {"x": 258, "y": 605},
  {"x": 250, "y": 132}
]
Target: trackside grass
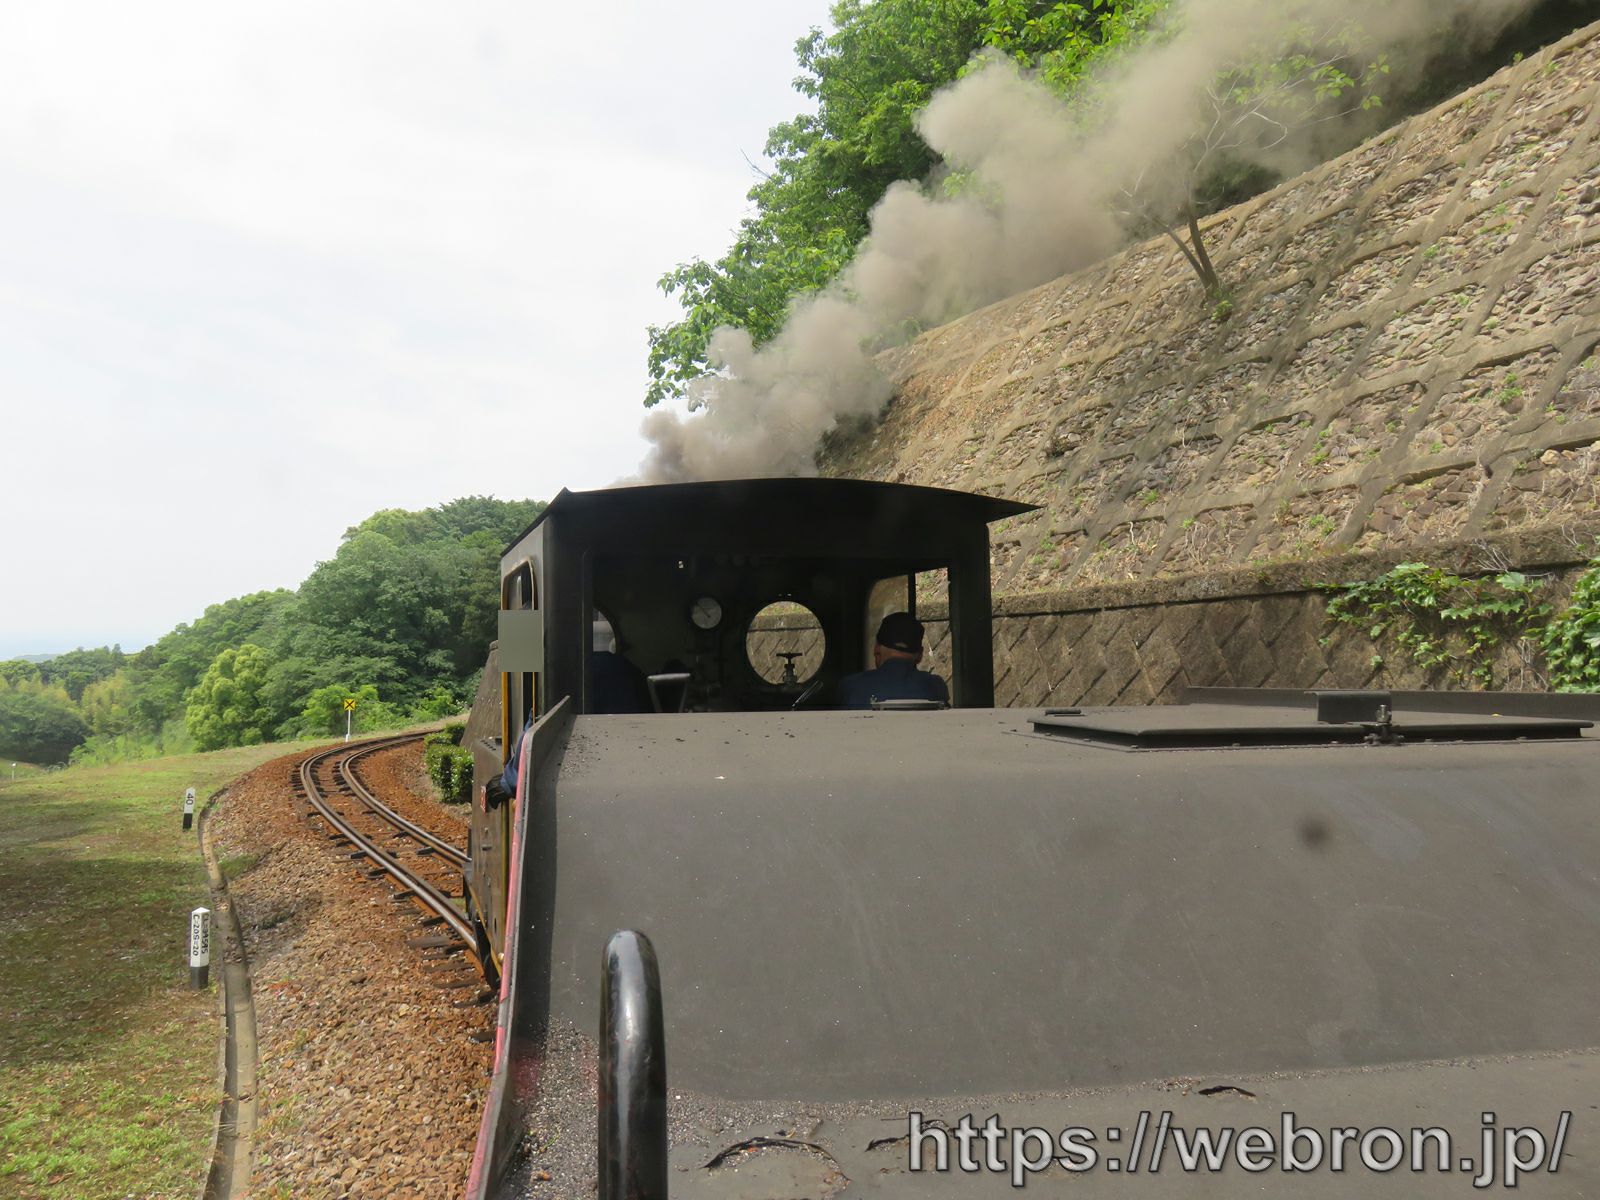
[{"x": 108, "y": 1060}]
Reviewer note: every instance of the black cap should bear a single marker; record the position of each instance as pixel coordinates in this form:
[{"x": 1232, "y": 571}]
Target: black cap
[{"x": 901, "y": 631}]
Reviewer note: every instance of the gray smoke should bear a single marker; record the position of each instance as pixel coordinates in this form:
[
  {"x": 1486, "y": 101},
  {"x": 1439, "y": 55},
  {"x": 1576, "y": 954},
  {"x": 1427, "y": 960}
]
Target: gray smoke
[{"x": 1039, "y": 197}]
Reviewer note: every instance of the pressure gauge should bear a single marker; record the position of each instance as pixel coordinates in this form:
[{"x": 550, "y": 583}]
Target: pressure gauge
[{"x": 706, "y": 613}]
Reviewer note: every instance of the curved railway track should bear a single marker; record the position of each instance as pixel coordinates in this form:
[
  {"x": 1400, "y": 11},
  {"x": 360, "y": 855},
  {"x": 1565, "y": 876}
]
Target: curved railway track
[{"x": 326, "y": 776}]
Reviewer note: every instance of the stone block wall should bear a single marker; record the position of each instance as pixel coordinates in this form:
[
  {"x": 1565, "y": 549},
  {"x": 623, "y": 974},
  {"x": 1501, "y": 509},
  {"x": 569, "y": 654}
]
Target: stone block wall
[
  {"x": 1144, "y": 643},
  {"x": 1412, "y": 357}
]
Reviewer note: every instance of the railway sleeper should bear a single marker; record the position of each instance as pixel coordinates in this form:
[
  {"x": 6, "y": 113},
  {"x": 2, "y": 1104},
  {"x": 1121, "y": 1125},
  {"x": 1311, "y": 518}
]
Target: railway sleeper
[{"x": 431, "y": 941}]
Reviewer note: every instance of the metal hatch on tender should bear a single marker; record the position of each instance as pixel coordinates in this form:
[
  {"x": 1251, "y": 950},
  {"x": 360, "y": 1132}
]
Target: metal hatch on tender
[{"x": 1321, "y": 718}]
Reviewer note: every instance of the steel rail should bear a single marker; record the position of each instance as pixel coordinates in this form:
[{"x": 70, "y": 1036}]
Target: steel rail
[
  {"x": 426, "y": 894},
  {"x": 344, "y": 768}
]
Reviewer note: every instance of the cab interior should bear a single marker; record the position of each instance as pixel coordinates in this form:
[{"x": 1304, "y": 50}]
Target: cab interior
[{"x": 729, "y": 632}]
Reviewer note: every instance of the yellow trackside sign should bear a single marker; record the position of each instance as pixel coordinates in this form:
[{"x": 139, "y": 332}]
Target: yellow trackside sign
[{"x": 349, "y": 704}]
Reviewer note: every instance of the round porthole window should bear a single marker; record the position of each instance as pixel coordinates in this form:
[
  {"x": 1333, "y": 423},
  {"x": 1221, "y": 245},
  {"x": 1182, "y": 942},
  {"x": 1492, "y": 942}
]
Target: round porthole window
[{"x": 785, "y": 643}]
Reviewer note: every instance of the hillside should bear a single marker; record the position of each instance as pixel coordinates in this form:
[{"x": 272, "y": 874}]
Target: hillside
[{"x": 1410, "y": 360}]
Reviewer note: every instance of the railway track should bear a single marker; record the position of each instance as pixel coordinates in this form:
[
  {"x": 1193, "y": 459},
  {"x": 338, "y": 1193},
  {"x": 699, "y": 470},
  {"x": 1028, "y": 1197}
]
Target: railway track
[{"x": 376, "y": 833}]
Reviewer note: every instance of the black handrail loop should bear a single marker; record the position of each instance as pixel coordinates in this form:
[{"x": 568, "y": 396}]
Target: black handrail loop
[{"x": 633, "y": 1073}]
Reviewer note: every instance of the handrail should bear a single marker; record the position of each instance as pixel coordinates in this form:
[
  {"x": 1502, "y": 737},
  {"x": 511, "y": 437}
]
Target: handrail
[{"x": 633, "y": 1073}]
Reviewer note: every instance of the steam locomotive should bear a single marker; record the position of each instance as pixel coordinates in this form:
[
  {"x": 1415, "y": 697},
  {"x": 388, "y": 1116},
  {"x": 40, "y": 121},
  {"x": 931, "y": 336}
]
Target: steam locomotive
[{"x": 1367, "y": 909}]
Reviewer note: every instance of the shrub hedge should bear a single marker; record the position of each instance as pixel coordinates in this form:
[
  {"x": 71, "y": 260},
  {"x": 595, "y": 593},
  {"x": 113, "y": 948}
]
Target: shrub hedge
[{"x": 449, "y": 764}]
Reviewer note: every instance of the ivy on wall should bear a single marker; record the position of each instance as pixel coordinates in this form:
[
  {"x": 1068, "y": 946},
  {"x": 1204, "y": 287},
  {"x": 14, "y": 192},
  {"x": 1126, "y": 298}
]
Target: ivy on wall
[
  {"x": 1571, "y": 642},
  {"x": 1439, "y": 619},
  {"x": 1442, "y": 620}
]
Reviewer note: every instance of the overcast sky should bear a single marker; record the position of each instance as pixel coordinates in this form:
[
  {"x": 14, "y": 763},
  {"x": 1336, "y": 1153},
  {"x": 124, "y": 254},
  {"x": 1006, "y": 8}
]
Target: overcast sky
[{"x": 267, "y": 269}]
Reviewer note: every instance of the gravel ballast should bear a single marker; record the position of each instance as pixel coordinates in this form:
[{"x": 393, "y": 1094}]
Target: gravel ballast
[{"x": 370, "y": 1084}]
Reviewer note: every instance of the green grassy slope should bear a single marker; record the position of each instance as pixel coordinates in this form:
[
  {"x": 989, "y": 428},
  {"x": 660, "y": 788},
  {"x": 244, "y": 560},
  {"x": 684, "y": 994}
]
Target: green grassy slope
[{"x": 108, "y": 1060}]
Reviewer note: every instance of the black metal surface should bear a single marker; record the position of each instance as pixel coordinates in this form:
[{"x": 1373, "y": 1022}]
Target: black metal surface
[
  {"x": 1354, "y": 707},
  {"x": 902, "y": 904},
  {"x": 525, "y": 979},
  {"x": 758, "y": 504},
  {"x": 1356, "y": 720},
  {"x": 633, "y": 1073},
  {"x": 1583, "y": 706}
]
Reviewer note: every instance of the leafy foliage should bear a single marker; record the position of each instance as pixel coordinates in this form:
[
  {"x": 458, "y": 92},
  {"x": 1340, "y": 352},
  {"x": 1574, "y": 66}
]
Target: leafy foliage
[
  {"x": 1275, "y": 93},
  {"x": 449, "y": 764},
  {"x": 869, "y": 78},
  {"x": 227, "y": 707},
  {"x": 1063, "y": 40},
  {"x": 39, "y": 725},
  {"x": 1444, "y": 620},
  {"x": 16, "y": 670},
  {"x": 404, "y": 609},
  {"x": 1571, "y": 641},
  {"x": 77, "y": 669},
  {"x": 162, "y": 674}
]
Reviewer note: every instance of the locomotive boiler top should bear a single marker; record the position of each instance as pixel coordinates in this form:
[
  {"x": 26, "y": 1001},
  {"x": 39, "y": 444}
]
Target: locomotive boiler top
[{"x": 880, "y": 904}]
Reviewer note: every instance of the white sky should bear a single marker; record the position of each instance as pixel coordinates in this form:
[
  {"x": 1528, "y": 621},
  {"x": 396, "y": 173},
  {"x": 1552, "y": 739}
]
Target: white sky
[{"x": 267, "y": 269}]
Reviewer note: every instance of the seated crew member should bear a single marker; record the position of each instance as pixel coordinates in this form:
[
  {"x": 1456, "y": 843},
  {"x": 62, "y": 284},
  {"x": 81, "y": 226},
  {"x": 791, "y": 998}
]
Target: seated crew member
[
  {"x": 616, "y": 685},
  {"x": 894, "y": 674}
]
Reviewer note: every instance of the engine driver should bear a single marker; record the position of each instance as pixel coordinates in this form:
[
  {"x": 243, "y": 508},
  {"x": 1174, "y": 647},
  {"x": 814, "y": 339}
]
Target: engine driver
[{"x": 896, "y": 654}]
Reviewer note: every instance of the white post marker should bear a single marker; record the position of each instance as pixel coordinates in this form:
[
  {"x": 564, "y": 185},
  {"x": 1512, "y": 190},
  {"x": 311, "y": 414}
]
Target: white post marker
[
  {"x": 199, "y": 946},
  {"x": 349, "y": 710},
  {"x": 188, "y": 808}
]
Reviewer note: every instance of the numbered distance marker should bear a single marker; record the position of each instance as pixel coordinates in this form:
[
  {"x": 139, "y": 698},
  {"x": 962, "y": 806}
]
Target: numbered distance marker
[
  {"x": 199, "y": 947},
  {"x": 188, "y": 808}
]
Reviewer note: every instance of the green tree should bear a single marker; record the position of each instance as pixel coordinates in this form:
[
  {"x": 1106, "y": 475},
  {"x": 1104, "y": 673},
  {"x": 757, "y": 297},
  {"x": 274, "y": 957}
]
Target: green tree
[
  {"x": 17, "y": 670},
  {"x": 77, "y": 669},
  {"x": 161, "y": 675},
  {"x": 105, "y": 704},
  {"x": 441, "y": 701},
  {"x": 323, "y": 714},
  {"x": 1063, "y": 41},
  {"x": 227, "y": 707},
  {"x": 1275, "y": 91},
  {"x": 39, "y": 726},
  {"x": 406, "y": 604},
  {"x": 869, "y": 79}
]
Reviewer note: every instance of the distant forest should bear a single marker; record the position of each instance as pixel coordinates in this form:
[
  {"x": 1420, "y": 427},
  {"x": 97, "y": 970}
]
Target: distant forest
[{"x": 399, "y": 618}]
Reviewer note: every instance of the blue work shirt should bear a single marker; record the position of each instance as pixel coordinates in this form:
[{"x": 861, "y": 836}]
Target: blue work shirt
[
  {"x": 508, "y": 777},
  {"x": 897, "y": 679}
]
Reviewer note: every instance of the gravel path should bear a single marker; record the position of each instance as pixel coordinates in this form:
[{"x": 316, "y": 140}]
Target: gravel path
[{"x": 370, "y": 1085}]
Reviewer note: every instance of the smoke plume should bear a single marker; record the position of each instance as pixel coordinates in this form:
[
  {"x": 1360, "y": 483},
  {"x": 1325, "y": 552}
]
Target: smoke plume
[{"x": 1040, "y": 199}]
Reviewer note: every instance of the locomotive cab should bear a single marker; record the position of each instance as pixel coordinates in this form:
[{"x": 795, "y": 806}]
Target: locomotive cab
[
  {"x": 747, "y": 595},
  {"x": 736, "y": 596}
]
